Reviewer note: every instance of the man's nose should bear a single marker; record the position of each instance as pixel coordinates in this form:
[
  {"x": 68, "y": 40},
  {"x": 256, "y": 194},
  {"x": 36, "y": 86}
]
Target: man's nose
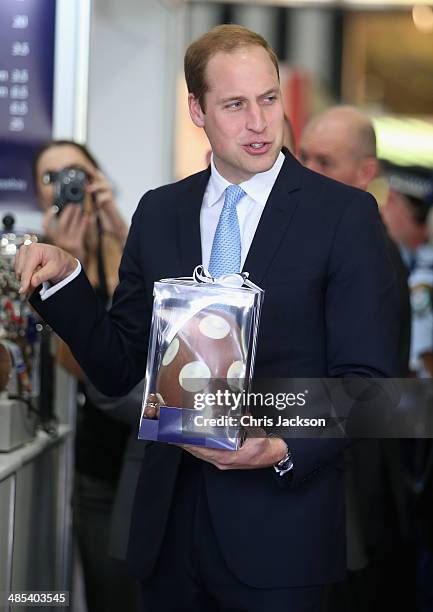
[{"x": 256, "y": 120}]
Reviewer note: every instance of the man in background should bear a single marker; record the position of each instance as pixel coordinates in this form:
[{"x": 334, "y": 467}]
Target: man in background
[
  {"x": 341, "y": 144},
  {"x": 289, "y": 136},
  {"x": 406, "y": 214}
]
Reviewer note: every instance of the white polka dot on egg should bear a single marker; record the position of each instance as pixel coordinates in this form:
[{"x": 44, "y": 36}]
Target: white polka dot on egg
[
  {"x": 214, "y": 327},
  {"x": 236, "y": 374},
  {"x": 171, "y": 352},
  {"x": 194, "y": 376}
]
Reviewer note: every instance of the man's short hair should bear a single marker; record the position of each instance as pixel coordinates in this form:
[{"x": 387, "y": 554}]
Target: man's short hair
[
  {"x": 366, "y": 146},
  {"x": 224, "y": 38},
  {"x": 361, "y": 137}
]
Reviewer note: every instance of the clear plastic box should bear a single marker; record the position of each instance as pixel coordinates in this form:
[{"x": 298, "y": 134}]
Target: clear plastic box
[{"x": 200, "y": 360}]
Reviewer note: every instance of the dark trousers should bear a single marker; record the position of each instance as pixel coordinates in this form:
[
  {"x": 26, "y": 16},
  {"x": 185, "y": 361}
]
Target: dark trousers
[
  {"x": 376, "y": 588},
  {"x": 191, "y": 573},
  {"x": 108, "y": 586}
]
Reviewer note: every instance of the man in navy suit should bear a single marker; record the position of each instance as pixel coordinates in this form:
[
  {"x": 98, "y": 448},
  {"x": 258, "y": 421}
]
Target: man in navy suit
[{"x": 261, "y": 528}]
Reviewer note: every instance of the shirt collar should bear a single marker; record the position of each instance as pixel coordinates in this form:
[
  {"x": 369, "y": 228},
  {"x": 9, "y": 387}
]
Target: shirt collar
[{"x": 257, "y": 187}]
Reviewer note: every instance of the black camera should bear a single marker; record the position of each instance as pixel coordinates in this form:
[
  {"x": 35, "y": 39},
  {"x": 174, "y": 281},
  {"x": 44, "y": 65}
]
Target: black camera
[{"x": 69, "y": 186}]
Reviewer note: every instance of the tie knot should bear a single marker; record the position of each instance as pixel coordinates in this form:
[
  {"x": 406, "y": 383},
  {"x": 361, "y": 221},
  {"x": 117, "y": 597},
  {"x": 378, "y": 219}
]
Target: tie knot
[{"x": 234, "y": 193}]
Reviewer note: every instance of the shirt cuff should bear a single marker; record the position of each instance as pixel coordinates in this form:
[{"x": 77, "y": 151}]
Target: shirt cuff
[{"x": 48, "y": 290}]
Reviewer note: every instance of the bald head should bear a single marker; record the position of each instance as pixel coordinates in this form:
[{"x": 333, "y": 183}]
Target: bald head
[{"x": 341, "y": 144}]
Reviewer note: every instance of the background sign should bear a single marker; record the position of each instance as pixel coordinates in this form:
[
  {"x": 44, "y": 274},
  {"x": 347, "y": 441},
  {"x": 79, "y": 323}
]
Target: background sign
[{"x": 27, "y": 29}]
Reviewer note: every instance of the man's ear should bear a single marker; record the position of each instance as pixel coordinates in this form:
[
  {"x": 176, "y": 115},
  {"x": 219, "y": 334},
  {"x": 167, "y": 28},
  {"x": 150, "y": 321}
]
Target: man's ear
[
  {"x": 368, "y": 170},
  {"x": 195, "y": 111}
]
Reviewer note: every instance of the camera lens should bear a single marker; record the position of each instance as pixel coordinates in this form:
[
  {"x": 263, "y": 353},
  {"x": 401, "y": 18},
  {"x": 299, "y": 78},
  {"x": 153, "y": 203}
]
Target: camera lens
[
  {"x": 74, "y": 186},
  {"x": 69, "y": 187}
]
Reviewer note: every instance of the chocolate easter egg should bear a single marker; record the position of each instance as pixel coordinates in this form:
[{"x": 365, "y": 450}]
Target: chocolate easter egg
[{"x": 206, "y": 354}]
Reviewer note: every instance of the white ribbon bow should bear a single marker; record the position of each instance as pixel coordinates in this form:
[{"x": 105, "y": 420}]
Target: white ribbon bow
[{"x": 202, "y": 275}]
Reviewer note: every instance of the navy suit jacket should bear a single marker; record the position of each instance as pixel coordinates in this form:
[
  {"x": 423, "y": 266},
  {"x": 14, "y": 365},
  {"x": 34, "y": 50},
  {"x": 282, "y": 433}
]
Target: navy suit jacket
[{"x": 330, "y": 310}]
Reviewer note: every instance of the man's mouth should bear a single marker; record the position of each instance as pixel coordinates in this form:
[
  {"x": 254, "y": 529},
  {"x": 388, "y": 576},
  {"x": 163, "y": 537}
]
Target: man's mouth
[{"x": 257, "y": 147}]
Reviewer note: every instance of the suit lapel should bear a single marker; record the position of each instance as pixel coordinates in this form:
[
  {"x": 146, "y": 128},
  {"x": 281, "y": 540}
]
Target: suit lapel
[
  {"x": 270, "y": 231},
  {"x": 275, "y": 219},
  {"x": 189, "y": 223}
]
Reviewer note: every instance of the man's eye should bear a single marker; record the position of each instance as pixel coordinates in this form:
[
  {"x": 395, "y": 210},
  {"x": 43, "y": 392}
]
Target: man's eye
[
  {"x": 270, "y": 99},
  {"x": 234, "y": 105}
]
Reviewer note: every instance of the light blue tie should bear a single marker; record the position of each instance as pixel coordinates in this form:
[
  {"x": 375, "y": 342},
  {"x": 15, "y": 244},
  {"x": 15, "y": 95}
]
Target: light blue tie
[{"x": 225, "y": 257}]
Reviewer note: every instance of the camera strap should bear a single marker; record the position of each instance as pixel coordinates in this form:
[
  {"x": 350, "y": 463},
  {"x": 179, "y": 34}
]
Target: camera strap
[{"x": 102, "y": 278}]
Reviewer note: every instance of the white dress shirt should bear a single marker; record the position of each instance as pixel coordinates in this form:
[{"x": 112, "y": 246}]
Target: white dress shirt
[{"x": 249, "y": 209}]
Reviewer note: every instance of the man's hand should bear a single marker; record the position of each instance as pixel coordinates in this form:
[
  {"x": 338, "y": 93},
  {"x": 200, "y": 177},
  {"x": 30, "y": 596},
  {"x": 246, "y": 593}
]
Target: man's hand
[
  {"x": 254, "y": 454},
  {"x": 37, "y": 262}
]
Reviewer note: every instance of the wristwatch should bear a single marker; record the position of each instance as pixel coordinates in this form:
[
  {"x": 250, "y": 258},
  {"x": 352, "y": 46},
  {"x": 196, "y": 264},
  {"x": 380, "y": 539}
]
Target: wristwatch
[{"x": 284, "y": 467}]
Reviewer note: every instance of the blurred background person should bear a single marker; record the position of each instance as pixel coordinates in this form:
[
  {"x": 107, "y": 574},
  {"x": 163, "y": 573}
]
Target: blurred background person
[
  {"x": 289, "y": 136},
  {"x": 75, "y": 229},
  {"x": 341, "y": 143},
  {"x": 93, "y": 230},
  {"x": 406, "y": 214}
]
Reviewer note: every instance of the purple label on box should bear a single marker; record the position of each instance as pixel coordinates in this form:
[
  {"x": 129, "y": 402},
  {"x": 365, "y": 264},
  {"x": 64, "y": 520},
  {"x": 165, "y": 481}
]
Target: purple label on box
[
  {"x": 175, "y": 426},
  {"x": 148, "y": 429}
]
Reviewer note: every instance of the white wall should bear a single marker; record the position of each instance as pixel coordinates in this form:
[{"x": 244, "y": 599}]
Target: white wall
[
  {"x": 136, "y": 49},
  {"x": 310, "y": 41}
]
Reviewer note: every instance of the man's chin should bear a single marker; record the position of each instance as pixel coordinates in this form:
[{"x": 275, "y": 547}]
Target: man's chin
[{"x": 262, "y": 163}]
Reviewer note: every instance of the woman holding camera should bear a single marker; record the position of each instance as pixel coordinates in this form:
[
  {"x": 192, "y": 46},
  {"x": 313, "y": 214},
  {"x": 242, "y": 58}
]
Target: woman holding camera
[
  {"x": 75, "y": 228},
  {"x": 92, "y": 229}
]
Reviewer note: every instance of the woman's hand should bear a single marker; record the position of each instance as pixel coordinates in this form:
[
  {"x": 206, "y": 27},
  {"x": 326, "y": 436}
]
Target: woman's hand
[
  {"x": 68, "y": 230},
  {"x": 102, "y": 194}
]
